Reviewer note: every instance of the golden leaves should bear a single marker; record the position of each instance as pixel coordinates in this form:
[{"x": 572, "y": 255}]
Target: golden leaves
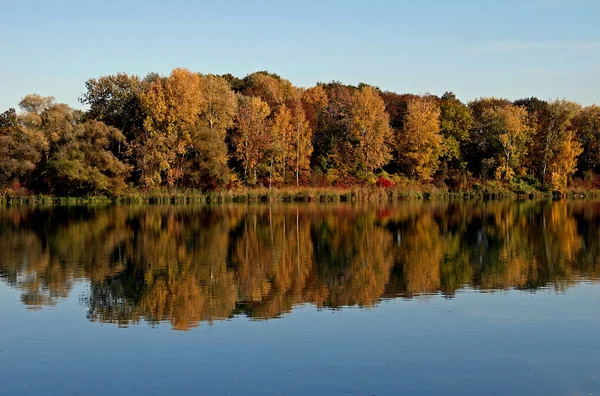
[
  {"x": 370, "y": 128},
  {"x": 418, "y": 144}
]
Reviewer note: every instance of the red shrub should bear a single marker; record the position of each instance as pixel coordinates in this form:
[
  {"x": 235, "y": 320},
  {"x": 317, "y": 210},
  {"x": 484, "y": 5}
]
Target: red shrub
[{"x": 385, "y": 183}]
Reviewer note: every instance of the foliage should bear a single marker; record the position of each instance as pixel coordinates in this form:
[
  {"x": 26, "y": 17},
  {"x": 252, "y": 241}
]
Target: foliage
[
  {"x": 83, "y": 164},
  {"x": 206, "y": 132},
  {"x": 252, "y": 136},
  {"x": 369, "y": 130},
  {"x": 419, "y": 143},
  {"x": 508, "y": 124},
  {"x": 456, "y": 120}
]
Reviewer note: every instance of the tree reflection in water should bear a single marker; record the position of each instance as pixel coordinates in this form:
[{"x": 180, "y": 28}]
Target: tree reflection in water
[{"x": 189, "y": 265}]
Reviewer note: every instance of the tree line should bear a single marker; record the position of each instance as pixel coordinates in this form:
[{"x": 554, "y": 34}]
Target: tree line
[{"x": 208, "y": 132}]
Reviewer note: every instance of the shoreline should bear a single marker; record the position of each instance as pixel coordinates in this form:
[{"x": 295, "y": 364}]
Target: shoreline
[{"x": 291, "y": 195}]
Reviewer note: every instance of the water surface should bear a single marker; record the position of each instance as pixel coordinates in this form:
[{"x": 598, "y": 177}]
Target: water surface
[{"x": 417, "y": 297}]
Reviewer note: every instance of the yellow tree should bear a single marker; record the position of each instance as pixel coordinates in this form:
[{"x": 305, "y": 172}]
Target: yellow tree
[
  {"x": 509, "y": 123},
  {"x": 370, "y": 129},
  {"x": 553, "y": 139},
  {"x": 565, "y": 163},
  {"x": 314, "y": 101},
  {"x": 207, "y": 155},
  {"x": 252, "y": 137},
  {"x": 419, "y": 142},
  {"x": 281, "y": 143},
  {"x": 301, "y": 144},
  {"x": 172, "y": 106},
  {"x": 270, "y": 88}
]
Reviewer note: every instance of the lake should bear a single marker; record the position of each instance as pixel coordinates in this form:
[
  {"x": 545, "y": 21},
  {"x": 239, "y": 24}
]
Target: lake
[{"x": 465, "y": 298}]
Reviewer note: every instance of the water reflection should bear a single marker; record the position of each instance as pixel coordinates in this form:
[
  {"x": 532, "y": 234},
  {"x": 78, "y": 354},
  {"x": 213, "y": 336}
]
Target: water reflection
[{"x": 190, "y": 265}]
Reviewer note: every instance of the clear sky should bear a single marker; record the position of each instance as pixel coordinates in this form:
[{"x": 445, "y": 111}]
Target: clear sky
[{"x": 505, "y": 48}]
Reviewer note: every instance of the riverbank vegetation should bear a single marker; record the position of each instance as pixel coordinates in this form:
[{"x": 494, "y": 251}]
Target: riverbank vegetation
[{"x": 191, "y": 137}]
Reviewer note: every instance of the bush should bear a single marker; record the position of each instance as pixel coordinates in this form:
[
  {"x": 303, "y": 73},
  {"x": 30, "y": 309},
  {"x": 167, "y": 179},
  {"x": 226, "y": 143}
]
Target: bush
[{"x": 385, "y": 182}]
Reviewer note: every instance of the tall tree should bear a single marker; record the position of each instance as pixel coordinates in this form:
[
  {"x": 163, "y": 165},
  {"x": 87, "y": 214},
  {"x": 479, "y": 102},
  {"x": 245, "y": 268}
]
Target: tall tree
[
  {"x": 314, "y": 102},
  {"x": 301, "y": 143},
  {"x": 271, "y": 88},
  {"x": 418, "y": 144},
  {"x": 20, "y": 150},
  {"x": 281, "y": 144},
  {"x": 587, "y": 128},
  {"x": 482, "y": 148},
  {"x": 331, "y": 138},
  {"x": 207, "y": 155},
  {"x": 115, "y": 100},
  {"x": 563, "y": 166},
  {"x": 456, "y": 120},
  {"x": 369, "y": 129},
  {"x": 553, "y": 139},
  {"x": 84, "y": 162},
  {"x": 47, "y": 123},
  {"x": 171, "y": 106},
  {"x": 509, "y": 125},
  {"x": 252, "y": 136}
]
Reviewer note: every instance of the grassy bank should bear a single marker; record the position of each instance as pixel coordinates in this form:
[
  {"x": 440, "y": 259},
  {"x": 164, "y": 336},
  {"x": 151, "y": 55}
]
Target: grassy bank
[{"x": 297, "y": 194}]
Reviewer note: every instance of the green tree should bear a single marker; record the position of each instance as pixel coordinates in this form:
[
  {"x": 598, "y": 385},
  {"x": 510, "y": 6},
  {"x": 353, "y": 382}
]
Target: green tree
[
  {"x": 84, "y": 163},
  {"x": 481, "y": 151},
  {"x": 456, "y": 120},
  {"x": 115, "y": 100}
]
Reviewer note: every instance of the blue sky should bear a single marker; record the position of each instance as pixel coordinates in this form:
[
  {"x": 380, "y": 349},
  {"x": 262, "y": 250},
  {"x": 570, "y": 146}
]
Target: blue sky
[{"x": 509, "y": 48}]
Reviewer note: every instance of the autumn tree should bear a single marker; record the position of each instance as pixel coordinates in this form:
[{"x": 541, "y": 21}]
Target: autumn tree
[
  {"x": 46, "y": 123},
  {"x": 587, "y": 128},
  {"x": 456, "y": 120},
  {"x": 20, "y": 150},
  {"x": 418, "y": 144},
  {"x": 207, "y": 155},
  {"x": 187, "y": 116},
  {"x": 84, "y": 163},
  {"x": 508, "y": 124},
  {"x": 481, "y": 149},
  {"x": 314, "y": 101},
  {"x": 115, "y": 100},
  {"x": 171, "y": 105},
  {"x": 301, "y": 143},
  {"x": 51, "y": 119},
  {"x": 554, "y": 145},
  {"x": 270, "y": 88},
  {"x": 331, "y": 138},
  {"x": 252, "y": 135},
  {"x": 369, "y": 130},
  {"x": 187, "y": 129},
  {"x": 280, "y": 149}
]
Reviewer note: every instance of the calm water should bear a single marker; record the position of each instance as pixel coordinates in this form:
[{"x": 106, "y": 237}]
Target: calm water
[{"x": 413, "y": 298}]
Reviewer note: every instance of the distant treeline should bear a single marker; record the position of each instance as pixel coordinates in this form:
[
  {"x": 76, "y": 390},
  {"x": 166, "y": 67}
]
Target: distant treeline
[{"x": 208, "y": 132}]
